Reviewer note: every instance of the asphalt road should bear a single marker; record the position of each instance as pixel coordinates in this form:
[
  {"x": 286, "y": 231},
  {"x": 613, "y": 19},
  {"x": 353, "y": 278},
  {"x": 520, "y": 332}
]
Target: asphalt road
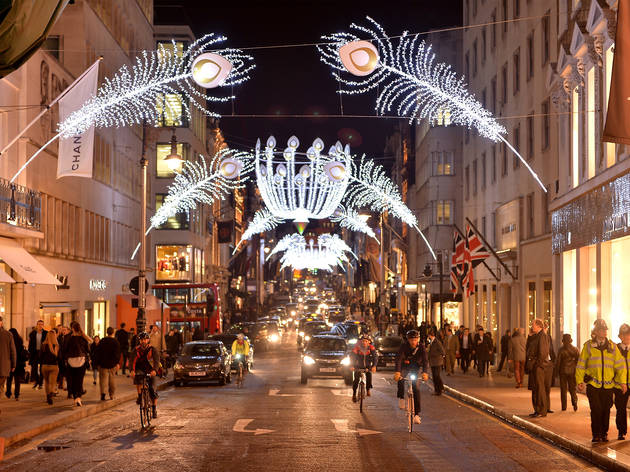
[{"x": 275, "y": 424}]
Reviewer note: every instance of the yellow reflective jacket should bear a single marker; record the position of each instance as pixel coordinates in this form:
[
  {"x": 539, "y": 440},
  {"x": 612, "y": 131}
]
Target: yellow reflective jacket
[
  {"x": 240, "y": 348},
  {"x": 600, "y": 367}
]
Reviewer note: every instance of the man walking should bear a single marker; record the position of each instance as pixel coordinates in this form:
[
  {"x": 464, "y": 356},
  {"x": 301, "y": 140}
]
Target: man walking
[
  {"x": 436, "y": 361},
  {"x": 505, "y": 340},
  {"x": 107, "y": 354},
  {"x": 465, "y": 348},
  {"x": 8, "y": 356},
  {"x": 122, "y": 336},
  {"x": 541, "y": 367},
  {"x": 35, "y": 341},
  {"x": 482, "y": 351},
  {"x": 452, "y": 350}
]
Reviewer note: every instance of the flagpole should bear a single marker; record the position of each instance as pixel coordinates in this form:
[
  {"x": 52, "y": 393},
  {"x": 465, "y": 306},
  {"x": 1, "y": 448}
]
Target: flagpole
[
  {"x": 48, "y": 107},
  {"x": 483, "y": 262},
  {"x": 490, "y": 248}
]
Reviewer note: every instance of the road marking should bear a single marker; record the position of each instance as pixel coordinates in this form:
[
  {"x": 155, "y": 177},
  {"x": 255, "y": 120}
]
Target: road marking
[
  {"x": 341, "y": 425},
  {"x": 274, "y": 393},
  {"x": 240, "y": 425},
  {"x": 343, "y": 392}
]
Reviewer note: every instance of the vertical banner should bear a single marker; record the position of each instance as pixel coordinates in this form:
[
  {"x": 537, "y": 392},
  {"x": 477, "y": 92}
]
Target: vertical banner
[
  {"x": 76, "y": 152},
  {"x": 225, "y": 229},
  {"x": 617, "y": 129}
]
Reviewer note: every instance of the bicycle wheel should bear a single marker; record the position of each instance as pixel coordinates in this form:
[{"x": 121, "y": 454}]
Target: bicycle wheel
[
  {"x": 361, "y": 396},
  {"x": 145, "y": 408},
  {"x": 410, "y": 412},
  {"x": 239, "y": 379}
]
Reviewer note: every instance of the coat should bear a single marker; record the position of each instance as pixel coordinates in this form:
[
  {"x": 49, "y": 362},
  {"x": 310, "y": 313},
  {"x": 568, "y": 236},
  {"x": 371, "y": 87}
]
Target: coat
[
  {"x": 482, "y": 348},
  {"x": 567, "y": 359},
  {"x": 436, "y": 353},
  {"x": 452, "y": 344},
  {"x": 516, "y": 348},
  {"x": 107, "y": 353},
  {"x": 32, "y": 343},
  {"x": 601, "y": 366},
  {"x": 8, "y": 356},
  {"x": 21, "y": 354}
]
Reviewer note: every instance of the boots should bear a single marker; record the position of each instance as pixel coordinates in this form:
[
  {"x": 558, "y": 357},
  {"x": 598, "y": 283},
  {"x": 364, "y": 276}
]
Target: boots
[
  {"x": 49, "y": 398},
  {"x": 354, "y": 397},
  {"x": 102, "y": 397},
  {"x": 154, "y": 411}
]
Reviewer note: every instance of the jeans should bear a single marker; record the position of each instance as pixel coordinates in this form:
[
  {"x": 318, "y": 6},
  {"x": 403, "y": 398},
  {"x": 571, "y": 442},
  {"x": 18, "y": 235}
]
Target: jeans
[
  {"x": 125, "y": 358},
  {"x": 106, "y": 379},
  {"x": 416, "y": 394},
  {"x": 600, "y": 400},
  {"x": 437, "y": 379},
  {"x": 621, "y": 405},
  {"x": 368, "y": 381},
  {"x": 75, "y": 381},
  {"x": 16, "y": 382},
  {"x": 567, "y": 382},
  {"x": 465, "y": 353},
  {"x": 50, "y": 372},
  {"x": 36, "y": 369},
  {"x": 519, "y": 372}
]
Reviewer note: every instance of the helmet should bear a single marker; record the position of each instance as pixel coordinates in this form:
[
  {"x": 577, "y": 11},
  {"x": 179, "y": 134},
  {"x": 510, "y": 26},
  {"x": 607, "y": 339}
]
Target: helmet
[
  {"x": 412, "y": 333},
  {"x": 240, "y": 336},
  {"x": 366, "y": 336},
  {"x": 143, "y": 335},
  {"x": 624, "y": 329}
]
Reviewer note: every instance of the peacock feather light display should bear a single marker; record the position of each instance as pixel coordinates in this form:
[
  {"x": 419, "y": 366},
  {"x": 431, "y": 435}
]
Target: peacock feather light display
[{"x": 327, "y": 253}]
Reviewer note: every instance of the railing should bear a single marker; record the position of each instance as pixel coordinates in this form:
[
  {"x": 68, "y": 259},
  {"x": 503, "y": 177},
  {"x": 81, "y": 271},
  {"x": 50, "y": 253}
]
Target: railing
[{"x": 20, "y": 206}]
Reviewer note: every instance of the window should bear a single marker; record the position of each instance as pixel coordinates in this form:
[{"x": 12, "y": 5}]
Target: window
[
  {"x": 467, "y": 11},
  {"x": 493, "y": 228},
  {"x": 545, "y": 124},
  {"x": 163, "y": 150},
  {"x": 517, "y": 8},
  {"x": 609, "y": 148},
  {"x": 516, "y": 62},
  {"x": 517, "y": 145},
  {"x": 179, "y": 221},
  {"x": 52, "y": 45},
  {"x": 443, "y": 213},
  {"x": 170, "y": 110},
  {"x": 504, "y": 166},
  {"x": 493, "y": 94},
  {"x": 493, "y": 35},
  {"x": 494, "y": 164},
  {"x": 575, "y": 136},
  {"x": 475, "y": 57},
  {"x": 504, "y": 79},
  {"x": 474, "y": 177},
  {"x": 590, "y": 121},
  {"x": 547, "y": 297},
  {"x": 483, "y": 45},
  {"x": 530, "y": 215},
  {"x": 531, "y": 302},
  {"x": 474, "y": 8},
  {"x": 173, "y": 262},
  {"x": 545, "y": 38},
  {"x": 504, "y": 14},
  {"x": 530, "y": 56},
  {"x": 168, "y": 47},
  {"x": 545, "y": 212},
  {"x": 483, "y": 170},
  {"x": 442, "y": 163},
  {"x": 530, "y": 137},
  {"x": 483, "y": 226},
  {"x": 443, "y": 117},
  {"x": 467, "y": 182},
  {"x": 467, "y": 64},
  {"x": 483, "y": 98}
]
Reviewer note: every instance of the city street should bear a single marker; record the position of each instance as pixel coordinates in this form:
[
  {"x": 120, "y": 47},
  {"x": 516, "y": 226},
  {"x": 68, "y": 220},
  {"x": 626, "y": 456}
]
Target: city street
[{"x": 274, "y": 423}]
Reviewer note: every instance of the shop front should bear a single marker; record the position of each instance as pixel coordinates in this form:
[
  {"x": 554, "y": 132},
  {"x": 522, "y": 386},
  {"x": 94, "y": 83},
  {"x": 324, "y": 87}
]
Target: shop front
[{"x": 591, "y": 247}]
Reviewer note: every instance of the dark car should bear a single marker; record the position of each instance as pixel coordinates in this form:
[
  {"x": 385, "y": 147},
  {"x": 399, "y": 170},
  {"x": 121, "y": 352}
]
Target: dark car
[
  {"x": 387, "y": 347},
  {"x": 201, "y": 361},
  {"x": 350, "y": 330},
  {"x": 311, "y": 328},
  {"x": 326, "y": 356},
  {"x": 228, "y": 340},
  {"x": 256, "y": 332}
]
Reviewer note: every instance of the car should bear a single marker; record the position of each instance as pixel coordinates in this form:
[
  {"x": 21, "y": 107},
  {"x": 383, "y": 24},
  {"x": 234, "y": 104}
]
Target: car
[
  {"x": 273, "y": 329},
  {"x": 326, "y": 356},
  {"x": 201, "y": 361},
  {"x": 311, "y": 328},
  {"x": 256, "y": 332},
  {"x": 350, "y": 330},
  {"x": 228, "y": 340},
  {"x": 387, "y": 348}
]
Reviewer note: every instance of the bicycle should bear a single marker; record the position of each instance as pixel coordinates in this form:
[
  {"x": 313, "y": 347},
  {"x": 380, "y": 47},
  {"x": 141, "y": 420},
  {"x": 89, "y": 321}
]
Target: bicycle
[
  {"x": 361, "y": 387},
  {"x": 146, "y": 403},
  {"x": 409, "y": 406},
  {"x": 240, "y": 371}
]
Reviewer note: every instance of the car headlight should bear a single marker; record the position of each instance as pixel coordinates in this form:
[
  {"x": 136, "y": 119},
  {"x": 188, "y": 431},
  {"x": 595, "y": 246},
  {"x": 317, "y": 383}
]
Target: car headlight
[
  {"x": 307, "y": 338},
  {"x": 178, "y": 365},
  {"x": 301, "y": 333},
  {"x": 274, "y": 338},
  {"x": 352, "y": 341},
  {"x": 238, "y": 356},
  {"x": 308, "y": 360},
  {"x": 412, "y": 377},
  {"x": 293, "y": 312},
  {"x": 345, "y": 360}
]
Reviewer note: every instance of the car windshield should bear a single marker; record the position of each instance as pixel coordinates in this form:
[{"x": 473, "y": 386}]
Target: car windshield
[
  {"x": 315, "y": 328},
  {"x": 390, "y": 342},
  {"x": 348, "y": 331},
  {"x": 201, "y": 350},
  {"x": 322, "y": 344}
]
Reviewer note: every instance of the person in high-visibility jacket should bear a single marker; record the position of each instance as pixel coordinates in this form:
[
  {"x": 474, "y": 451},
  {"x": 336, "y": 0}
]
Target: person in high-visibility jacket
[
  {"x": 240, "y": 350},
  {"x": 600, "y": 369}
]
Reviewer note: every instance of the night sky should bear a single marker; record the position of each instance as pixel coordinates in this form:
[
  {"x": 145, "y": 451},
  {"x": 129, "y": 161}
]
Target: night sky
[{"x": 294, "y": 80}]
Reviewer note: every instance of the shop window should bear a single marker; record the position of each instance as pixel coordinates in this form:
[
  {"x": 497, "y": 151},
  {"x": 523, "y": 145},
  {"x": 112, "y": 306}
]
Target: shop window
[
  {"x": 547, "y": 300},
  {"x": 493, "y": 312},
  {"x": 531, "y": 302},
  {"x": 569, "y": 293},
  {"x": 589, "y": 309},
  {"x": 162, "y": 168},
  {"x": 615, "y": 295},
  {"x": 178, "y": 221},
  {"x": 173, "y": 262},
  {"x": 484, "y": 306}
]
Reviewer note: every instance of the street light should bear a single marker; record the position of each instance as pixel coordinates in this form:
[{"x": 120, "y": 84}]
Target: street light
[{"x": 173, "y": 160}]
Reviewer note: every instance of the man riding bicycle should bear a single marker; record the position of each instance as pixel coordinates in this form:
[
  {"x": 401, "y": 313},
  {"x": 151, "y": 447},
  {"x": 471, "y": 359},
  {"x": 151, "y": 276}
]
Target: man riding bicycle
[
  {"x": 412, "y": 357},
  {"x": 363, "y": 356},
  {"x": 147, "y": 361},
  {"x": 240, "y": 350}
]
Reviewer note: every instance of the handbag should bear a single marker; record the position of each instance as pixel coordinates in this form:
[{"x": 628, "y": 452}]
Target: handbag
[{"x": 76, "y": 362}]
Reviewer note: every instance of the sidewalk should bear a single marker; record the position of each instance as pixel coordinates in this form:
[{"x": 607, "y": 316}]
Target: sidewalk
[
  {"x": 497, "y": 395},
  {"x": 31, "y": 415}
]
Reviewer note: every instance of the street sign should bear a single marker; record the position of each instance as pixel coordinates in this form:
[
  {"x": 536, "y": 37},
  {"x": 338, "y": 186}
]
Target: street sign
[{"x": 134, "y": 284}]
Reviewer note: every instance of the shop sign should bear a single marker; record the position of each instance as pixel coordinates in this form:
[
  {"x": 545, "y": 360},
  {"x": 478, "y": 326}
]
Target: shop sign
[
  {"x": 506, "y": 230},
  {"x": 64, "y": 282},
  {"x": 411, "y": 288},
  {"x": 98, "y": 285}
]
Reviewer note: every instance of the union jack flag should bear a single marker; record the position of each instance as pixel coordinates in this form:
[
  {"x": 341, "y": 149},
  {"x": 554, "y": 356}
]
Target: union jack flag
[
  {"x": 478, "y": 252},
  {"x": 457, "y": 261}
]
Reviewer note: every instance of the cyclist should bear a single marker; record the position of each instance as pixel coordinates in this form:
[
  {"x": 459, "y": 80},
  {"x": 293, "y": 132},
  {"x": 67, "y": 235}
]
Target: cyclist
[
  {"x": 240, "y": 346},
  {"x": 147, "y": 361},
  {"x": 412, "y": 357},
  {"x": 364, "y": 356}
]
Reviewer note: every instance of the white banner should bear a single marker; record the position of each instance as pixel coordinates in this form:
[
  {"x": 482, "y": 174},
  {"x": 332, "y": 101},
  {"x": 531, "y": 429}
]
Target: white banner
[{"x": 76, "y": 153}]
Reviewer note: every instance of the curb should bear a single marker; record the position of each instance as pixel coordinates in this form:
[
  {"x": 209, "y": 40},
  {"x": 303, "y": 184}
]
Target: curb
[
  {"x": 83, "y": 412},
  {"x": 597, "y": 458}
]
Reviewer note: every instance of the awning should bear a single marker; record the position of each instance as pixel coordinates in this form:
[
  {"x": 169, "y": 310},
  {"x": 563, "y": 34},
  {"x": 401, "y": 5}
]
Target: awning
[
  {"x": 6, "y": 278},
  {"x": 25, "y": 264}
]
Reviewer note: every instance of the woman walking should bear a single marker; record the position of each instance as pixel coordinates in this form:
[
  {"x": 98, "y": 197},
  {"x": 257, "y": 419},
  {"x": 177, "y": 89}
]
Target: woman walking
[
  {"x": 566, "y": 362},
  {"x": 516, "y": 355},
  {"x": 93, "y": 364},
  {"x": 17, "y": 376},
  {"x": 50, "y": 367},
  {"x": 76, "y": 352}
]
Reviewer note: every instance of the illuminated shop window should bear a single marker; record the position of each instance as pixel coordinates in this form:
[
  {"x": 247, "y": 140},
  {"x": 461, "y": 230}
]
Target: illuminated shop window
[{"x": 173, "y": 262}]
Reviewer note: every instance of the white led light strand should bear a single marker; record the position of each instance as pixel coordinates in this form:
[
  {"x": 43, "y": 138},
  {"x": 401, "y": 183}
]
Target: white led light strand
[
  {"x": 349, "y": 218},
  {"x": 263, "y": 221},
  {"x": 326, "y": 255},
  {"x": 409, "y": 81}
]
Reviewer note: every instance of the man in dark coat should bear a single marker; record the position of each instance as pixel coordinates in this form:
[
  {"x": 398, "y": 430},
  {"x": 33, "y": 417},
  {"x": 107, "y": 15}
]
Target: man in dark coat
[
  {"x": 436, "y": 361},
  {"x": 505, "y": 341},
  {"x": 540, "y": 366},
  {"x": 482, "y": 348},
  {"x": 8, "y": 356},
  {"x": 35, "y": 341},
  {"x": 107, "y": 358},
  {"x": 122, "y": 336}
]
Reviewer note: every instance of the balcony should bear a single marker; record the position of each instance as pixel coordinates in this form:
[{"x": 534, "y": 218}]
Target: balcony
[{"x": 20, "y": 211}]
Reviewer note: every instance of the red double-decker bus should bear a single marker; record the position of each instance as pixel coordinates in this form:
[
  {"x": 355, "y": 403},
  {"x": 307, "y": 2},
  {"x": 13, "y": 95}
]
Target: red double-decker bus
[{"x": 195, "y": 305}]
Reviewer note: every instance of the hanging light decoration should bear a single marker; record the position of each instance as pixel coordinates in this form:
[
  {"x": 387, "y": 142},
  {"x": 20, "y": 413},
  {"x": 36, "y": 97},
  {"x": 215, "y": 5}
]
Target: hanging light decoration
[{"x": 329, "y": 252}]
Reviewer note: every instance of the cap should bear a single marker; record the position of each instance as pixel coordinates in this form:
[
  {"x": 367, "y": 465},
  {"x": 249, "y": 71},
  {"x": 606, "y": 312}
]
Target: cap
[
  {"x": 624, "y": 329},
  {"x": 600, "y": 324}
]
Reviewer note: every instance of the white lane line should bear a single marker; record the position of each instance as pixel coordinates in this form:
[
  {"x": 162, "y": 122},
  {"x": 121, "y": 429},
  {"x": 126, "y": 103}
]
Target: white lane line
[
  {"x": 240, "y": 425},
  {"x": 346, "y": 392},
  {"x": 274, "y": 393},
  {"x": 341, "y": 425}
]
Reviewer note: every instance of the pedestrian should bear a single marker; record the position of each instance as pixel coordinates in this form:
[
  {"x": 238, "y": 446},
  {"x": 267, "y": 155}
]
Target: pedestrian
[
  {"x": 107, "y": 355},
  {"x": 93, "y": 363},
  {"x": 172, "y": 346},
  {"x": 77, "y": 351},
  {"x": 35, "y": 340},
  {"x": 540, "y": 367},
  {"x": 16, "y": 377},
  {"x": 452, "y": 351},
  {"x": 122, "y": 336},
  {"x": 491, "y": 352},
  {"x": 516, "y": 355},
  {"x": 620, "y": 397},
  {"x": 465, "y": 349},
  {"x": 436, "y": 361},
  {"x": 505, "y": 340},
  {"x": 482, "y": 351},
  {"x": 8, "y": 356},
  {"x": 566, "y": 362},
  {"x": 50, "y": 364},
  {"x": 155, "y": 338},
  {"x": 62, "y": 336}
]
